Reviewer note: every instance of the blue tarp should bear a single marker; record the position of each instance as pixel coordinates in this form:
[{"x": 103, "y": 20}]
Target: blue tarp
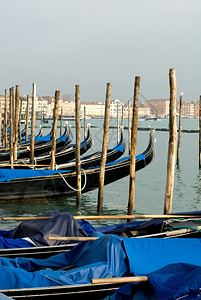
[
  {"x": 38, "y": 231},
  {"x": 173, "y": 266},
  {"x": 8, "y": 243},
  {"x": 133, "y": 291},
  {"x": 147, "y": 255},
  {"x": 103, "y": 257},
  {"x": 45, "y": 138},
  {"x": 177, "y": 280},
  {"x": 10, "y": 174}
]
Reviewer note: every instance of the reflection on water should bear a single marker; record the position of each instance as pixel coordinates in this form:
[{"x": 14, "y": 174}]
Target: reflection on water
[
  {"x": 180, "y": 187},
  {"x": 197, "y": 188}
]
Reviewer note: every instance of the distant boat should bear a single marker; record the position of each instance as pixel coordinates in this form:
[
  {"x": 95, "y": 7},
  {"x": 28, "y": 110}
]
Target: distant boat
[
  {"x": 151, "y": 119},
  {"x": 45, "y": 120},
  {"x": 71, "y": 117}
]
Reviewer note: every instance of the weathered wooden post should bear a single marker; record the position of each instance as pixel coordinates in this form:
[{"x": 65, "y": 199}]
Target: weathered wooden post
[
  {"x": 5, "y": 138},
  {"x": 33, "y": 122},
  {"x": 129, "y": 128},
  {"x": 61, "y": 121},
  {"x": 122, "y": 115},
  {"x": 133, "y": 146},
  {"x": 0, "y": 117},
  {"x": 104, "y": 147},
  {"x": 54, "y": 130},
  {"x": 12, "y": 100},
  {"x": 20, "y": 117},
  {"x": 16, "y": 112},
  {"x": 78, "y": 140},
  {"x": 85, "y": 127},
  {"x": 41, "y": 118},
  {"x": 27, "y": 118},
  {"x": 172, "y": 143},
  {"x": 179, "y": 133},
  {"x": 200, "y": 134},
  {"x": 13, "y": 110},
  {"x": 118, "y": 122}
]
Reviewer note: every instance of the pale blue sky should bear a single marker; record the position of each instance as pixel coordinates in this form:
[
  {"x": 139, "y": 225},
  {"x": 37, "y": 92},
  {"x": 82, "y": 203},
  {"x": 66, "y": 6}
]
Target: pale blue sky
[{"x": 60, "y": 43}]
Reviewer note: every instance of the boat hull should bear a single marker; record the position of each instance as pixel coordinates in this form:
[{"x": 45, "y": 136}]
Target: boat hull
[{"x": 63, "y": 185}]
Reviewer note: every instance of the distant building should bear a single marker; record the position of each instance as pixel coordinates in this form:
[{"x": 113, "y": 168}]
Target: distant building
[
  {"x": 158, "y": 107},
  {"x": 153, "y": 107},
  {"x": 188, "y": 109},
  {"x": 93, "y": 109}
]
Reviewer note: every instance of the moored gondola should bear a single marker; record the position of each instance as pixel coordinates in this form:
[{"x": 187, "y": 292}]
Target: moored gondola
[
  {"x": 41, "y": 147},
  {"x": 58, "y": 184},
  {"x": 97, "y": 268}
]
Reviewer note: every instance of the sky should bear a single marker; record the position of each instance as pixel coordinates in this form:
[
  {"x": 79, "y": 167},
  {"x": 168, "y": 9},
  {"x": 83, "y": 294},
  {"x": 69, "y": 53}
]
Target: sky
[{"x": 58, "y": 44}]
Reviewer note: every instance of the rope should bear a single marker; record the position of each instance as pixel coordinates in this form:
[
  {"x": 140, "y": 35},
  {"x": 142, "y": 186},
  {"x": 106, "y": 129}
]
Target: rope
[
  {"x": 18, "y": 152},
  {"x": 185, "y": 227},
  {"x": 76, "y": 190},
  {"x": 182, "y": 220}
]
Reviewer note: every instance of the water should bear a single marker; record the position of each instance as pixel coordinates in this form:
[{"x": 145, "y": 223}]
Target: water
[{"x": 150, "y": 181}]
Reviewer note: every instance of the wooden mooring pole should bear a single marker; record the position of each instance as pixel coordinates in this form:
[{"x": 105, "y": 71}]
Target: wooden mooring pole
[
  {"x": 133, "y": 146},
  {"x": 61, "y": 121},
  {"x": 200, "y": 134},
  {"x": 78, "y": 140},
  {"x": 27, "y": 119},
  {"x": 33, "y": 122},
  {"x": 172, "y": 143},
  {"x": 129, "y": 128},
  {"x": 1, "y": 118},
  {"x": 85, "y": 127},
  {"x": 5, "y": 138},
  {"x": 104, "y": 148},
  {"x": 122, "y": 115},
  {"x": 54, "y": 130},
  {"x": 12, "y": 98},
  {"x": 16, "y": 114},
  {"x": 179, "y": 133},
  {"x": 117, "y": 122},
  {"x": 20, "y": 118}
]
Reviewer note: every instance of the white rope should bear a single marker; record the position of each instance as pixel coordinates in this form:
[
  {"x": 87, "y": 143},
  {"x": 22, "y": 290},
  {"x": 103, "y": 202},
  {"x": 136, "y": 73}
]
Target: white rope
[
  {"x": 26, "y": 164},
  {"x": 23, "y": 162},
  {"x": 76, "y": 190}
]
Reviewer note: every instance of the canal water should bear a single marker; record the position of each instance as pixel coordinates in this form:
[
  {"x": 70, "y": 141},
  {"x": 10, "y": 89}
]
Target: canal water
[{"x": 150, "y": 181}]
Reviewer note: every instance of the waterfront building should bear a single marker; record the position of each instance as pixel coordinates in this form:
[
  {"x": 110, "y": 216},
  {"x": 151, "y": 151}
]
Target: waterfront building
[
  {"x": 93, "y": 109},
  {"x": 153, "y": 107},
  {"x": 158, "y": 107}
]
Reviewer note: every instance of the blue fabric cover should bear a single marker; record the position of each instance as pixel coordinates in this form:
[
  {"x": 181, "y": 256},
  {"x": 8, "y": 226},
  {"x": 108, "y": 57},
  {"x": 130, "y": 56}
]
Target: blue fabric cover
[
  {"x": 10, "y": 174},
  {"x": 133, "y": 291},
  {"x": 173, "y": 266},
  {"x": 103, "y": 257},
  {"x": 38, "y": 231},
  {"x": 177, "y": 280},
  {"x": 45, "y": 138},
  {"x": 119, "y": 147},
  {"x": 147, "y": 255},
  {"x": 151, "y": 226},
  {"x": 7, "y": 243}
]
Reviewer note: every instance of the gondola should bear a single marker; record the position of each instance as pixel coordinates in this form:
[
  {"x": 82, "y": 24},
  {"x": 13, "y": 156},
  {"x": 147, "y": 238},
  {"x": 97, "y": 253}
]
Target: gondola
[
  {"x": 94, "y": 159},
  {"x": 60, "y": 184},
  {"x": 63, "y": 157},
  {"x": 161, "y": 268},
  {"x": 42, "y": 147},
  {"x": 38, "y": 136},
  {"x": 67, "y": 153},
  {"x": 31, "y": 237}
]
